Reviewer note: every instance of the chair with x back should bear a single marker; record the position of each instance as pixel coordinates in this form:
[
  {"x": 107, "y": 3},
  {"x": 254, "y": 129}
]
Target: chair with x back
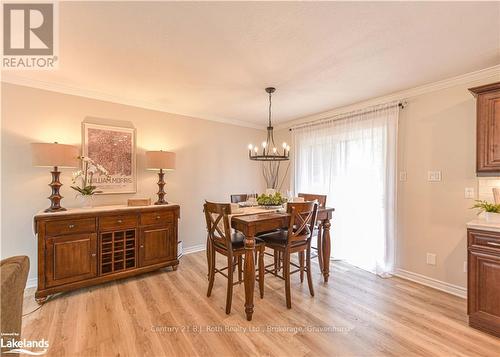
[
  {"x": 231, "y": 245},
  {"x": 295, "y": 239},
  {"x": 321, "y": 199}
]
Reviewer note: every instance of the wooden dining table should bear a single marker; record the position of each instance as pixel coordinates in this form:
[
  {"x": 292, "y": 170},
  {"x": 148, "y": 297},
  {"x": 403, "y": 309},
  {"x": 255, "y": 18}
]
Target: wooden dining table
[{"x": 252, "y": 224}]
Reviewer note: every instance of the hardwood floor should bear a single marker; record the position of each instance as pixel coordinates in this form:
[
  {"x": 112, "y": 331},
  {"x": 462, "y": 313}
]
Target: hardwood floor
[{"x": 167, "y": 313}]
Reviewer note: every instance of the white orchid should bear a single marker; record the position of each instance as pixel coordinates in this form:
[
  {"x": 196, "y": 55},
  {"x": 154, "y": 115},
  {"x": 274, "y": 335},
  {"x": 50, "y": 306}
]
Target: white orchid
[{"x": 90, "y": 168}]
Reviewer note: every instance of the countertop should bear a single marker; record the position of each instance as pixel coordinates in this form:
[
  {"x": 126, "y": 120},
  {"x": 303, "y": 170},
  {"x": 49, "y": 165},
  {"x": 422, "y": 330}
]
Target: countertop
[
  {"x": 482, "y": 224},
  {"x": 102, "y": 209}
]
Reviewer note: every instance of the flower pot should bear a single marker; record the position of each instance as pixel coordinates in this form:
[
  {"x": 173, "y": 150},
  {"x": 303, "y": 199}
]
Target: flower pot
[
  {"x": 86, "y": 201},
  {"x": 492, "y": 217}
]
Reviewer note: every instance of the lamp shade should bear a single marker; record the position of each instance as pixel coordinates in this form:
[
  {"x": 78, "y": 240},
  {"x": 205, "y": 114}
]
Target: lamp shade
[
  {"x": 156, "y": 160},
  {"x": 53, "y": 154}
]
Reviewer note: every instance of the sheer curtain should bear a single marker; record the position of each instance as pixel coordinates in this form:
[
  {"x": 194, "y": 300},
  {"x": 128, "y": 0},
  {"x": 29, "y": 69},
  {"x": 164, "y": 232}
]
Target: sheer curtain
[{"x": 352, "y": 159}]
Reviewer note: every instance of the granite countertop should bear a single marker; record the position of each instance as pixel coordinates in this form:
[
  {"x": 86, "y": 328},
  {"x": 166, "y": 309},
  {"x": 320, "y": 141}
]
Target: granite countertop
[{"x": 482, "y": 224}]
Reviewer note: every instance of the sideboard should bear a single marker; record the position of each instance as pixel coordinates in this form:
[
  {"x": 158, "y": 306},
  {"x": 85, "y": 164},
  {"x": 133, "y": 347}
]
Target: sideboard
[{"x": 89, "y": 246}]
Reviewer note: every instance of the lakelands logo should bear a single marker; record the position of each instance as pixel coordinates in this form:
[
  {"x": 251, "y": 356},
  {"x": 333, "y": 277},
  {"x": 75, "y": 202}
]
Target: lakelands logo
[
  {"x": 29, "y": 347},
  {"x": 29, "y": 40}
]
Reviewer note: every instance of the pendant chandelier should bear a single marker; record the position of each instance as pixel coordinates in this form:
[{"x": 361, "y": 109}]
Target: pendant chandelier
[{"x": 269, "y": 150}]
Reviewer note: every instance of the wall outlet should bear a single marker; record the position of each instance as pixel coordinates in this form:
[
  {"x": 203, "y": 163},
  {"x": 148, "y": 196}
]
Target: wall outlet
[
  {"x": 469, "y": 193},
  {"x": 431, "y": 259},
  {"x": 403, "y": 176},
  {"x": 434, "y": 176},
  {"x": 465, "y": 267}
]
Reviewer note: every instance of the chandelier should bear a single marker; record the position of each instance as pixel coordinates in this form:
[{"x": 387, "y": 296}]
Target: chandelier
[{"x": 269, "y": 150}]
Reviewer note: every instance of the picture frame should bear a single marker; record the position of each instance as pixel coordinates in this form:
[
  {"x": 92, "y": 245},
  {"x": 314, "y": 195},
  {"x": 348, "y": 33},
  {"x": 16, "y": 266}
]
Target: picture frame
[{"x": 113, "y": 147}]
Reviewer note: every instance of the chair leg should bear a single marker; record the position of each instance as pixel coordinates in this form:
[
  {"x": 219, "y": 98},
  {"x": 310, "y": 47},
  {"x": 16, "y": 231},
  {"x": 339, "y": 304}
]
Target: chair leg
[
  {"x": 240, "y": 268},
  {"x": 229, "y": 297},
  {"x": 261, "y": 272},
  {"x": 208, "y": 257},
  {"x": 211, "y": 267},
  {"x": 308, "y": 269},
  {"x": 286, "y": 275},
  {"x": 301, "y": 263},
  {"x": 276, "y": 257}
]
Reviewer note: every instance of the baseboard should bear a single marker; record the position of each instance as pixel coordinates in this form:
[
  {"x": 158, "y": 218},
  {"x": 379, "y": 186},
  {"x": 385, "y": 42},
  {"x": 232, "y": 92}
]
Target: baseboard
[
  {"x": 194, "y": 248},
  {"x": 433, "y": 283}
]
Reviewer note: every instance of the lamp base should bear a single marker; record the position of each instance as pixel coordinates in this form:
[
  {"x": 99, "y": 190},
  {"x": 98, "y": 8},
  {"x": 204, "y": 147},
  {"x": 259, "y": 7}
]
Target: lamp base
[
  {"x": 55, "y": 198},
  {"x": 60, "y": 209},
  {"x": 161, "y": 191}
]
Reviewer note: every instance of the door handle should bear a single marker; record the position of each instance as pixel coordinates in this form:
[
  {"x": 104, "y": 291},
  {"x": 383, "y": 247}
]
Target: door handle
[
  {"x": 71, "y": 226},
  {"x": 93, "y": 254}
]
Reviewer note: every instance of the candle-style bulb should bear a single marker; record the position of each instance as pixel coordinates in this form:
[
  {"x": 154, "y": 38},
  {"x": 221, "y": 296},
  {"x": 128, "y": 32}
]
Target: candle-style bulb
[
  {"x": 256, "y": 149},
  {"x": 250, "y": 146},
  {"x": 274, "y": 150},
  {"x": 264, "y": 144},
  {"x": 284, "y": 145}
]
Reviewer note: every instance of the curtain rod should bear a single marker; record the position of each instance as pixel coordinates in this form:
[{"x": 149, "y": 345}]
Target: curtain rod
[{"x": 347, "y": 115}]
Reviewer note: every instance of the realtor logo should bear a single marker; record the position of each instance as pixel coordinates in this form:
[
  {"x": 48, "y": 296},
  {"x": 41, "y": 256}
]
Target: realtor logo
[{"x": 29, "y": 36}]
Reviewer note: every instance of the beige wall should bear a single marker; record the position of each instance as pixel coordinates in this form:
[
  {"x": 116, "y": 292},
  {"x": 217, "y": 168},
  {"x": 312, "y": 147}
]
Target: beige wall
[
  {"x": 436, "y": 132},
  {"x": 211, "y": 160}
]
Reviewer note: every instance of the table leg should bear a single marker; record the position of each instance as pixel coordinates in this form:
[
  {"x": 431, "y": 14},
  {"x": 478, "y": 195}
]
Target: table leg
[
  {"x": 249, "y": 275},
  {"x": 326, "y": 249},
  {"x": 319, "y": 245}
]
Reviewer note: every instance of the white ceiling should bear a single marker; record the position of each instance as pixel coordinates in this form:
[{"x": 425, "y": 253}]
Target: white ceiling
[{"x": 213, "y": 60}]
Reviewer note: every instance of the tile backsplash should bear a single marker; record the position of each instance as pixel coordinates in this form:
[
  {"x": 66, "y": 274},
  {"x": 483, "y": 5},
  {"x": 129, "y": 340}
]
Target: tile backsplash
[{"x": 485, "y": 186}]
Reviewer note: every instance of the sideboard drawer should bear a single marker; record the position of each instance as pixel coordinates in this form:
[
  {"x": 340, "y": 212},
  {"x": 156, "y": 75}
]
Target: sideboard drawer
[
  {"x": 159, "y": 217},
  {"x": 114, "y": 223},
  {"x": 483, "y": 239},
  {"x": 70, "y": 226}
]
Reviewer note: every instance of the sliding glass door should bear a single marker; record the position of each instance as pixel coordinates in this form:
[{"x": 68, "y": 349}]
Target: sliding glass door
[{"x": 353, "y": 161}]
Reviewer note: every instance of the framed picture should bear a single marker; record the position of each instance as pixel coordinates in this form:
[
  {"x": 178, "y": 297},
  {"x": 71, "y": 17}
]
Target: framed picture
[{"x": 114, "y": 148}]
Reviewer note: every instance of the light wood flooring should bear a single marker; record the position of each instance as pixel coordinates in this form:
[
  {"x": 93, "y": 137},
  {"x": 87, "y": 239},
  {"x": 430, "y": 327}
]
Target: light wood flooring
[{"x": 167, "y": 313}]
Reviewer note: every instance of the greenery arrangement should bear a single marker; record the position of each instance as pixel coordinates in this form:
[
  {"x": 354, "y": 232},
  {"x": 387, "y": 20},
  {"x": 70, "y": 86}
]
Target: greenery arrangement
[
  {"x": 85, "y": 176},
  {"x": 485, "y": 206},
  {"x": 271, "y": 200}
]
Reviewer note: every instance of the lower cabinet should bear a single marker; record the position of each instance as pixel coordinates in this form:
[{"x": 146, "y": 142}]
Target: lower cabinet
[
  {"x": 84, "y": 249},
  {"x": 483, "y": 285},
  {"x": 70, "y": 258},
  {"x": 156, "y": 245}
]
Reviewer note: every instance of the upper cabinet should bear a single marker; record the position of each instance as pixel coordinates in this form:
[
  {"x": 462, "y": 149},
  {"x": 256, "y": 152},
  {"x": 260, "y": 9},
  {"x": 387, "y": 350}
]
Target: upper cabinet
[{"x": 488, "y": 129}]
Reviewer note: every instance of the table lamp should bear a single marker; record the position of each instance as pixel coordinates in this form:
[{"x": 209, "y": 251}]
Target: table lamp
[
  {"x": 56, "y": 156},
  {"x": 160, "y": 160}
]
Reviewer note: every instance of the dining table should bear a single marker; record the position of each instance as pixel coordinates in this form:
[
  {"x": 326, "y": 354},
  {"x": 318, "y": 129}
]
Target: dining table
[{"x": 251, "y": 221}]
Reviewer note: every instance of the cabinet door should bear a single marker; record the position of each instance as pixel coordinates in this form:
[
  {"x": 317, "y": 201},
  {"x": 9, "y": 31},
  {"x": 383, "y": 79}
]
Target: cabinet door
[
  {"x": 70, "y": 258},
  {"x": 484, "y": 286},
  {"x": 157, "y": 245},
  {"x": 488, "y": 132}
]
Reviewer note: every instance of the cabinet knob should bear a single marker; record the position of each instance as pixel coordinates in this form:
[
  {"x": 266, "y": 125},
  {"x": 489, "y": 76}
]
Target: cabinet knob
[
  {"x": 120, "y": 221},
  {"x": 142, "y": 245},
  {"x": 93, "y": 254},
  {"x": 71, "y": 226},
  {"x": 158, "y": 217}
]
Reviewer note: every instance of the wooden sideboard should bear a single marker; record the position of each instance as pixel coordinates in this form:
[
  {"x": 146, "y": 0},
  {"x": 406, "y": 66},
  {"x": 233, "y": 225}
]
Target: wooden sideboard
[
  {"x": 488, "y": 129},
  {"x": 483, "y": 280},
  {"x": 83, "y": 247}
]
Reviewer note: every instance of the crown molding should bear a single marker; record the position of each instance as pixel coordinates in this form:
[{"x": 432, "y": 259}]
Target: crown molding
[
  {"x": 11, "y": 78},
  {"x": 490, "y": 72}
]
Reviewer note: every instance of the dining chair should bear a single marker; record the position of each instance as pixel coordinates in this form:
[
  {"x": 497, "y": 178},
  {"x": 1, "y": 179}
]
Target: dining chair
[
  {"x": 237, "y": 198},
  {"x": 232, "y": 246},
  {"x": 296, "y": 238},
  {"x": 321, "y": 199}
]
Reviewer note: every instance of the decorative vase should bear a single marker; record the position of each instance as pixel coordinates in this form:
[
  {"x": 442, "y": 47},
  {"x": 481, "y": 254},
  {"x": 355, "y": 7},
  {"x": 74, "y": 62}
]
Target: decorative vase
[
  {"x": 492, "y": 217},
  {"x": 86, "y": 201}
]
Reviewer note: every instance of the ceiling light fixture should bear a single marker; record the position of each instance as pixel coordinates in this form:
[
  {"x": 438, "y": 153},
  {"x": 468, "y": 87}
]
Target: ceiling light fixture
[{"x": 269, "y": 150}]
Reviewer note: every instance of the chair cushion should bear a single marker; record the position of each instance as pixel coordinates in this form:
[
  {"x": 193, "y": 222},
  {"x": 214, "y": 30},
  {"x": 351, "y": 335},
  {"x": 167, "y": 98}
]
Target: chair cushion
[
  {"x": 279, "y": 238},
  {"x": 238, "y": 241}
]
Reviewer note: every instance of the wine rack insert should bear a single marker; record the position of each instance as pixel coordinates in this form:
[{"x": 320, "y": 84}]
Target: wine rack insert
[{"x": 118, "y": 251}]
